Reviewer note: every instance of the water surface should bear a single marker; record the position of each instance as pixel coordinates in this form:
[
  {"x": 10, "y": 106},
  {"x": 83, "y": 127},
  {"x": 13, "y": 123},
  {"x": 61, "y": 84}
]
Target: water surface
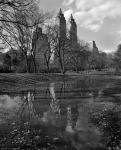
[{"x": 74, "y": 114}]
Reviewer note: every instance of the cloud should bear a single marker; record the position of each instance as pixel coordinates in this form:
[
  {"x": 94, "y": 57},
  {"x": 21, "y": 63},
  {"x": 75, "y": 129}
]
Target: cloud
[
  {"x": 68, "y": 13},
  {"x": 91, "y": 15},
  {"x": 68, "y": 2},
  {"x": 118, "y": 33}
]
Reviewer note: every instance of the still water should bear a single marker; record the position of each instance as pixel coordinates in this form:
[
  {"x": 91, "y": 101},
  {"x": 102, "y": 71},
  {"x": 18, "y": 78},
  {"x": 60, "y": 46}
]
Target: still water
[{"x": 78, "y": 114}]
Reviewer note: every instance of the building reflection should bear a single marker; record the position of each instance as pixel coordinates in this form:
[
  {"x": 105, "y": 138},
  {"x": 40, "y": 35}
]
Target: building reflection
[
  {"x": 29, "y": 112},
  {"x": 52, "y": 115},
  {"x": 69, "y": 121},
  {"x": 69, "y": 126}
]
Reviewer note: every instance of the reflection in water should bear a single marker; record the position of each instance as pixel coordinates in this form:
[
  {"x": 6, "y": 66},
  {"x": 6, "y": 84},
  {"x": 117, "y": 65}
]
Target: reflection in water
[
  {"x": 68, "y": 114},
  {"x": 27, "y": 112},
  {"x": 7, "y": 102},
  {"x": 52, "y": 115},
  {"x": 69, "y": 121},
  {"x": 52, "y": 90},
  {"x": 8, "y": 107},
  {"x": 54, "y": 102}
]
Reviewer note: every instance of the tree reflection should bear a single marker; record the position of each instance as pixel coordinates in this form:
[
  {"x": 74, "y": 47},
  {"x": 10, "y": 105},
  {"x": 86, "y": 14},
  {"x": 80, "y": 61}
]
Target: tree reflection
[
  {"x": 27, "y": 112},
  {"x": 60, "y": 118}
]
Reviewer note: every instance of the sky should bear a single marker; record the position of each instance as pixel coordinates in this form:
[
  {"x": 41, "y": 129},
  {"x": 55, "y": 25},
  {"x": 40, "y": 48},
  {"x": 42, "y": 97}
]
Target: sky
[{"x": 98, "y": 20}]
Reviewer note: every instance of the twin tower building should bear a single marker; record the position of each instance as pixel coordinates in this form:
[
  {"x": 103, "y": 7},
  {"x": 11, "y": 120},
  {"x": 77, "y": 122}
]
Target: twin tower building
[
  {"x": 63, "y": 27},
  {"x": 42, "y": 40}
]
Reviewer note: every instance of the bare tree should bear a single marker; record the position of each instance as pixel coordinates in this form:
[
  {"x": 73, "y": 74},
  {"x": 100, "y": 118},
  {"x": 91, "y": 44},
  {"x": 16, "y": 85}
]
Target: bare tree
[
  {"x": 8, "y": 7},
  {"x": 78, "y": 55},
  {"x": 18, "y": 26},
  {"x": 49, "y": 52},
  {"x": 47, "y": 55},
  {"x": 59, "y": 46},
  {"x": 74, "y": 56}
]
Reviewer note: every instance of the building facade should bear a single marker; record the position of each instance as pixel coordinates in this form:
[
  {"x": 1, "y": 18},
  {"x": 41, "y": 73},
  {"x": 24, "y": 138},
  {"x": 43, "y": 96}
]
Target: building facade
[
  {"x": 40, "y": 44},
  {"x": 62, "y": 25},
  {"x": 73, "y": 30}
]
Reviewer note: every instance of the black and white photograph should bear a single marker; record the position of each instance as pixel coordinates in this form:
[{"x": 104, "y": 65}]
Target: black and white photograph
[{"x": 60, "y": 74}]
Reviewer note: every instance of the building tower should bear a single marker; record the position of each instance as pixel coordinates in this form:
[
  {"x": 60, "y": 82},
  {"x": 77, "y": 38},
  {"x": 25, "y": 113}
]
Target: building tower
[
  {"x": 95, "y": 48},
  {"x": 62, "y": 25},
  {"x": 73, "y": 30},
  {"x": 40, "y": 46}
]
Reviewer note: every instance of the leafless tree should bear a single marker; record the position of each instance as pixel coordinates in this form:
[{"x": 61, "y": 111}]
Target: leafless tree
[
  {"x": 9, "y": 7},
  {"x": 59, "y": 46},
  {"x": 47, "y": 55},
  {"x": 18, "y": 24},
  {"x": 49, "y": 52},
  {"x": 74, "y": 56},
  {"x": 78, "y": 55}
]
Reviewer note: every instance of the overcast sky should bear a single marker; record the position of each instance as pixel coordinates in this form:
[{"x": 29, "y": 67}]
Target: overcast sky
[{"x": 98, "y": 20}]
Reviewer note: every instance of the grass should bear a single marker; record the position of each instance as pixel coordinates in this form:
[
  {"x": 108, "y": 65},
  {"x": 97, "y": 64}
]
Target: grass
[{"x": 31, "y": 137}]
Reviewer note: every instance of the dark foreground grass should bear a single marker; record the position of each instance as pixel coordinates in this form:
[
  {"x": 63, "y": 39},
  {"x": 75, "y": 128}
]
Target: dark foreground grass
[
  {"x": 38, "y": 137},
  {"x": 31, "y": 137}
]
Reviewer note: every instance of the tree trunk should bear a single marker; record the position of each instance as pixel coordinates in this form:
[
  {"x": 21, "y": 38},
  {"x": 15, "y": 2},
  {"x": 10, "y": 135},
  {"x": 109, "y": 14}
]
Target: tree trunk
[
  {"x": 62, "y": 66},
  {"x": 76, "y": 69},
  {"x": 35, "y": 68},
  {"x": 48, "y": 68}
]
